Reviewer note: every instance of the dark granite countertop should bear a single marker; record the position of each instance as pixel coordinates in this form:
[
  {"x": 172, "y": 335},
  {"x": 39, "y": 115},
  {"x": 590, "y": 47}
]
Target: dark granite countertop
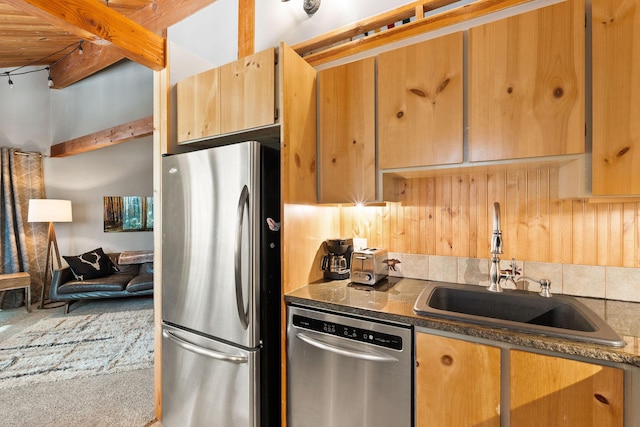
[{"x": 393, "y": 299}]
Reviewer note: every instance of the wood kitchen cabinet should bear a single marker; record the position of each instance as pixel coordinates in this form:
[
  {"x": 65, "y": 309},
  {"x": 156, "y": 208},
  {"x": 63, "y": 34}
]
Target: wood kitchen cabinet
[
  {"x": 231, "y": 98},
  {"x": 616, "y": 97},
  {"x": 346, "y": 133},
  {"x": 420, "y": 104},
  {"x": 198, "y": 106},
  {"x": 457, "y": 382},
  {"x": 526, "y": 84},
  {"x": 553, "y": 391}
]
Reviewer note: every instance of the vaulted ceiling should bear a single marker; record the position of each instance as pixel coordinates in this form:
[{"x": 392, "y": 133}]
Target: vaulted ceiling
[{"x": 48, "y": 33}]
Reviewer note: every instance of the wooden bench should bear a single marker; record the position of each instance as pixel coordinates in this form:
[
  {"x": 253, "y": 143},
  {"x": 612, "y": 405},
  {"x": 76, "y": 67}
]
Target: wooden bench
[{"x": 21, "y": 280}]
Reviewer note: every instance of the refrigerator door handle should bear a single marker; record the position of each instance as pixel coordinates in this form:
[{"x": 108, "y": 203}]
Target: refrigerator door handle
[
  {"x": 242, "y": 312},
  {"x": 371, "y": 357},
  {"x": 205, "y": 351}
]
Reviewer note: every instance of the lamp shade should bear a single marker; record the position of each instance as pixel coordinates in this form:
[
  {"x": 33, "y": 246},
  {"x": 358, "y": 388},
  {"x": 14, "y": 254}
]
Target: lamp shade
[{"x": 49, "y": 210}]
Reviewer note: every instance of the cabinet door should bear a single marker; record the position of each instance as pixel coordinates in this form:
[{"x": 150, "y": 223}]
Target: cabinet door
[
  {"x": 420, "y": 104},
  {"x": 346, "y": 120},
  {"x": 198, "y": 106},
  {"x": 247, "y": 88},
  {"x": 616, "y": 97},
  {"x": 457, "y": 382},
  {"x": 552, "y": 391},
  {"x": 526, "y": 84}
]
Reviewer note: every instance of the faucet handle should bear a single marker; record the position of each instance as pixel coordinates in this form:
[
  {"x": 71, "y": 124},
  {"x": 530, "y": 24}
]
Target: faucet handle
[
  {"x": 545, "y": 288},
  {"x": 513, "y": 271}
]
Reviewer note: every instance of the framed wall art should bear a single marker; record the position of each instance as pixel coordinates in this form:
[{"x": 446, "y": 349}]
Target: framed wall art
[{"x": 128, "y": 213}]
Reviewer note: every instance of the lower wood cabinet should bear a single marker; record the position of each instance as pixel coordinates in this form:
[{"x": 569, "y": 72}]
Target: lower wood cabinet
[
  {"x": 461, "y": 383},
  {"x": 553, "y": 391},
  {"x": 457, "y": 382}
]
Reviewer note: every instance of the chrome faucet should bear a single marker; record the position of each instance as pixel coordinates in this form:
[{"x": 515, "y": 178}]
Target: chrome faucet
[{"x": 495, "y": 273}]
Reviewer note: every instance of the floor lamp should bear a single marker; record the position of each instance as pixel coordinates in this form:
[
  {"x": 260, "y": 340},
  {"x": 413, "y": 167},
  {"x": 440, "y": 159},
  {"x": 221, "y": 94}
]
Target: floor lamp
[{"x": 50, "y": 210}]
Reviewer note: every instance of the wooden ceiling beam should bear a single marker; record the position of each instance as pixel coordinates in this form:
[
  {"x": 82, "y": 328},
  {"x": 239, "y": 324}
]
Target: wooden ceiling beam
[
  {"x": 95, "y": 22},
  {"x": 246, "y": 27},
  {"x": 104, "y": 138},
  {"x": 157, "y": 16}
]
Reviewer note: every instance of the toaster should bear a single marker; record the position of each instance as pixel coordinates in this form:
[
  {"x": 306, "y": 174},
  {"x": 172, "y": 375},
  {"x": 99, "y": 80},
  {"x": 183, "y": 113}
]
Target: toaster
[{"x": 369, "y": 265}]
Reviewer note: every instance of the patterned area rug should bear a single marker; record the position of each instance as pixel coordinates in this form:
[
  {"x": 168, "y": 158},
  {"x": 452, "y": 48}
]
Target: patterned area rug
[{"x": 62, "y": 348}]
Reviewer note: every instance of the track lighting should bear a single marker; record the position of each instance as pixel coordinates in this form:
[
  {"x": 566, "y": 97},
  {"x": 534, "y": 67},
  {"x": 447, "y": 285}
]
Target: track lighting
[
  {"x": 80, "y": 51},
  {"x": 10, "y": 81}
]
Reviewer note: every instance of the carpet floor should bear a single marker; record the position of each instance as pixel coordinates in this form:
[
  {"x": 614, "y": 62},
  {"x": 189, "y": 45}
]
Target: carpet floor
[{"x": 105, "y": 395}]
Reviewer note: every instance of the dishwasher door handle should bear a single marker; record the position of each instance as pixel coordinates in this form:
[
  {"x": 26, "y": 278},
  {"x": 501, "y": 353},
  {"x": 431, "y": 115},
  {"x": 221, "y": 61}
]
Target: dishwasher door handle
[{"x": 379, "y": 357}]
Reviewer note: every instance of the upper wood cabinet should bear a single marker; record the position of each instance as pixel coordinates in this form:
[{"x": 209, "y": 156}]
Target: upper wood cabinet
[
  {"x": 198, "y": 106},
  {"x": 457, "y": 382},
  {"x": 231, "y": 98},
  {"x": 247, "y": 91},
  {"x": 616, "y": 97},
  {"x": 526, "y": 84},
  {"x": 552, "y": 391},
  {"x": 346, "y": 133},
  {"x": 420, "y": 104}
]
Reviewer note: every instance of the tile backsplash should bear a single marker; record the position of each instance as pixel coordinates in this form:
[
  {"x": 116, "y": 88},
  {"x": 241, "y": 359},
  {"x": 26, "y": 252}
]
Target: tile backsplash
[{"x": 614, "y": 283}]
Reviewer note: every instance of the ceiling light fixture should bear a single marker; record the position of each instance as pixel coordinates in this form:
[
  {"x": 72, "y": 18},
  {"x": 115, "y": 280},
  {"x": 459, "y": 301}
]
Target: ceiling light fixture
[{"x": 80, "y": 51}]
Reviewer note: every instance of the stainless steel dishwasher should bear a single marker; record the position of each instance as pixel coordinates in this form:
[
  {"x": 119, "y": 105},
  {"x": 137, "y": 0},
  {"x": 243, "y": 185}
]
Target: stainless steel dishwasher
[{"x": 347, "y": 372}]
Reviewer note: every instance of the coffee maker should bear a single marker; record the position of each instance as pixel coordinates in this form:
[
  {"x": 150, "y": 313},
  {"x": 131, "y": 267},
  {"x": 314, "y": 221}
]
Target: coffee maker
[{"x": 336, "y": 263}]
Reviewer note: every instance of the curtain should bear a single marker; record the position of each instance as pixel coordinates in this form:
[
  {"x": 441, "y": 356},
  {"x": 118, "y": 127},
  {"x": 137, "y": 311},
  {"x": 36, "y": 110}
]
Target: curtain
[{"x": 22, "y": 244}]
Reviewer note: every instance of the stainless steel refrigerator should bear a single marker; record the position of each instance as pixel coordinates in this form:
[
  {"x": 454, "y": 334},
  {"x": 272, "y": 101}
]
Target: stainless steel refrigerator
[{"x": 221, "y": 287}]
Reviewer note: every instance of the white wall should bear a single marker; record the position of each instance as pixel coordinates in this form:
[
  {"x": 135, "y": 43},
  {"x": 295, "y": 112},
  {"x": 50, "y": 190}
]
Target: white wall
[
  {"x": 212, "y": 33},
  {"x": 33, "y": 117},
  {"x": 278, "y": 21},
  {"x": 116, "y": 95},
  {"x": 24, "y": 111},
  {"x": 120, "y": 170}
]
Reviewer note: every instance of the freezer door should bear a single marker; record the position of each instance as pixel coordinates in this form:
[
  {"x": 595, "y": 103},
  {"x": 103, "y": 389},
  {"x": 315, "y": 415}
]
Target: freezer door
[
  {"x": 207, "y": 383},
  {"x": 210, "y": 270}
]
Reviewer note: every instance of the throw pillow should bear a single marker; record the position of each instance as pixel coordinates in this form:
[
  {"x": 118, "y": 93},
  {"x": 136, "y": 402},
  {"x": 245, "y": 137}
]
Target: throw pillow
[{"x": 91, "y": 265}]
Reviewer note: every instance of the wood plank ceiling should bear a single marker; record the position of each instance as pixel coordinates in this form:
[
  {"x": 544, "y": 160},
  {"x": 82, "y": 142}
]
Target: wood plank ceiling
[
  {"x": 26, "y": 39},
  {"x": 43, "y": 32}
]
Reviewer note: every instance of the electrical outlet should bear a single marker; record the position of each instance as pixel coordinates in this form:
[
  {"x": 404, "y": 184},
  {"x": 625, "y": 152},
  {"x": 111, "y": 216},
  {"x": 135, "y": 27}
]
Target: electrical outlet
[{"x": 359, "y": 243}]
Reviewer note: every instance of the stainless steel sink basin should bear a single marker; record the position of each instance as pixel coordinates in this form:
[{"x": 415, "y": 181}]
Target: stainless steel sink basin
[{"x": 559, "y": 316}]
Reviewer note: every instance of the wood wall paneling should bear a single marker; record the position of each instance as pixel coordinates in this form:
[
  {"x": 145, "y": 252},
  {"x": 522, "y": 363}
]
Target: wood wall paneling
[{"x": 452, "y": 216}]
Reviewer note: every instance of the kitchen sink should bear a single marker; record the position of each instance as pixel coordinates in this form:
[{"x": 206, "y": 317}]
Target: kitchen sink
[{"x": 559, "y": 316}]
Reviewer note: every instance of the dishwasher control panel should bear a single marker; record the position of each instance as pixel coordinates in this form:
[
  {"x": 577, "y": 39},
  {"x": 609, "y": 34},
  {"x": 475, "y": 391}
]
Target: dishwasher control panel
[{"x": 349, "y": 332}]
